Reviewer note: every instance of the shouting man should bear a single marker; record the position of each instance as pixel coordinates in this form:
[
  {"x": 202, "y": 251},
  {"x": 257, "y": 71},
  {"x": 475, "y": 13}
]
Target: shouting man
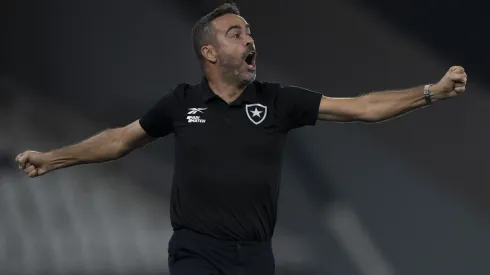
[{"x": 230, "y": 130}]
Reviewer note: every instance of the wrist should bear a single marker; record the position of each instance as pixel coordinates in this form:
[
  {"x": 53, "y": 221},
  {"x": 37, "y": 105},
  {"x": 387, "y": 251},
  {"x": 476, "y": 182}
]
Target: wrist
[
  {"x": 428, "y": 94},
  {"x": 53, "y": 161},
  {"x": 437, "y": 93},
  {"x": 433, "y": 94},
  {"x": 49, "y": 160}
]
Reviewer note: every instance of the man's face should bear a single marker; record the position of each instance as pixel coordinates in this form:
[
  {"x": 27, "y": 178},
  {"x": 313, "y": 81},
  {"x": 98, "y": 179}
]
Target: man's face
[{"x": 235, "y": 48}]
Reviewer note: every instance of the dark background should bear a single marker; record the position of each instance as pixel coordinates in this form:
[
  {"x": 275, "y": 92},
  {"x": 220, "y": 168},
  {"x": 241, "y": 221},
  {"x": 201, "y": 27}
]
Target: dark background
[{"x": 407, "y": 196}]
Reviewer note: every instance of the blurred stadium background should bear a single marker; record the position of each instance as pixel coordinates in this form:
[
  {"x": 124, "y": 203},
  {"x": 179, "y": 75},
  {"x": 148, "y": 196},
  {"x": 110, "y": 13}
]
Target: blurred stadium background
[{"x": 408, "y": 196}]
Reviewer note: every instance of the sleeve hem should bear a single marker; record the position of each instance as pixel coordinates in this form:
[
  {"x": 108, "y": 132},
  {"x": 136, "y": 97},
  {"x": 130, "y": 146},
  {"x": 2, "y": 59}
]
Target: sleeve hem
[
  {"x": 315, "y": 105},
  {"x": 147, "y": 129}
]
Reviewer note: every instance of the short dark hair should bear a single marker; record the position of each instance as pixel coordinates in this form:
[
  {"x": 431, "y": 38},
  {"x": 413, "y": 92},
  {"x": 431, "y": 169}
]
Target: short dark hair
[{"x": 202, "y": 32}]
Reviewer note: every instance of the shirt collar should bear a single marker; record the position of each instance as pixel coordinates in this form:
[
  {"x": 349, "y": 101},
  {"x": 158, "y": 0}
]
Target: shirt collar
[{"x": 249, "y": 95}]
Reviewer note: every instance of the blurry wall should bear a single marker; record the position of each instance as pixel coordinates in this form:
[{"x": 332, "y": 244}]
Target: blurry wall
[
  {"x": 406, "y": 196},
  {"x": 86, "y": 220}
]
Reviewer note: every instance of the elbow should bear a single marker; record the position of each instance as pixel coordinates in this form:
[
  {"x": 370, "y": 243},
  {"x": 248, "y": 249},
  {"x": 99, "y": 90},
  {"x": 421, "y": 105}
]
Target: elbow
[
  {"x": 120, "y": 149},
  {"x": 368, "y": 112},
  {"x": 371, "y": 118},
  {"x": 117, "y": 146}
]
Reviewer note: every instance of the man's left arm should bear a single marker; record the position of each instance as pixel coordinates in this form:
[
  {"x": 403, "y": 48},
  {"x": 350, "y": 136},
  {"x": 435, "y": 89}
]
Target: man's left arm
[{"x": 379, "y": 106}]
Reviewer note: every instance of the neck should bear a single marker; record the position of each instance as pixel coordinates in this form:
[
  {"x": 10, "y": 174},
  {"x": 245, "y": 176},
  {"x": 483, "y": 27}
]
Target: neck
[{"x": 227, "y": 90}]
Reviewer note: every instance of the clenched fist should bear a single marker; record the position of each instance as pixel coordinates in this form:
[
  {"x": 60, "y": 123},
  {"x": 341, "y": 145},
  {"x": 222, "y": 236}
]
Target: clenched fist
[
  {"x": 453, "y": 83},
  {"x": 33, "y": 163}
]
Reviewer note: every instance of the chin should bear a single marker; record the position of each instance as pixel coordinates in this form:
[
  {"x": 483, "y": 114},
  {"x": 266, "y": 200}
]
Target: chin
[{"x": 248, "y": 77}]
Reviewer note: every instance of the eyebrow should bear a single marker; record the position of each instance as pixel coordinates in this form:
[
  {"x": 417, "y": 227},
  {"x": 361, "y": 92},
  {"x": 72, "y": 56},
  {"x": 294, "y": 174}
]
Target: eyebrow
[{"x": 237, "y": 27}]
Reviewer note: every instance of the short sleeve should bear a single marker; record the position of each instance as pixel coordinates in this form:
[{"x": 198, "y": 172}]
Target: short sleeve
[
  {"x": 158, "y": 120},
  {"x": 299, "y": 106}
]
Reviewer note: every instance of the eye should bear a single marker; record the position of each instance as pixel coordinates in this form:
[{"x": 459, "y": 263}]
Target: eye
[{"x": 236, "y": 35}]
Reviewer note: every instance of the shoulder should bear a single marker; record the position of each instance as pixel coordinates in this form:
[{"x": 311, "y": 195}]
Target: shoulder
[
  {"x": 267, "y": 89},
  {"x": 267, "y": 86},
  {"x": 275, "y": 88},
  {"x": 183, "y": 91}
]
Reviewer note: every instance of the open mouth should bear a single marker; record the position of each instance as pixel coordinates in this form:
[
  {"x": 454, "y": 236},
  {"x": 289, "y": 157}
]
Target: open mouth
[{"x": 250, "y": 59}]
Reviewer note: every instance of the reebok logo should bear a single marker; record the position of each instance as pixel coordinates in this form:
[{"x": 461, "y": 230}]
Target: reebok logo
[
  {"x": 195, "y": 119},
  {"x": 193, "y": 111}
]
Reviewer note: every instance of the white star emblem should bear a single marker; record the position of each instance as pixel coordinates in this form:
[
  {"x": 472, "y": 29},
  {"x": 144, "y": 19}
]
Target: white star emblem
[{"x": 256, "y": 112}]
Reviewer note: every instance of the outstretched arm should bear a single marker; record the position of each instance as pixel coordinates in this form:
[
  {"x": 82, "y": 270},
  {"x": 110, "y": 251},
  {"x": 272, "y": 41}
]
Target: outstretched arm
[
  {"x": 379, "y": 106},
  {"x": 108, "y": 145}
]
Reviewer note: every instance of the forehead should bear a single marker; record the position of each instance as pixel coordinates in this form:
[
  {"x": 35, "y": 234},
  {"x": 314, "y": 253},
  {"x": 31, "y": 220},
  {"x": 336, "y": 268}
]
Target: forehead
[{"x": 224, "y": 22}]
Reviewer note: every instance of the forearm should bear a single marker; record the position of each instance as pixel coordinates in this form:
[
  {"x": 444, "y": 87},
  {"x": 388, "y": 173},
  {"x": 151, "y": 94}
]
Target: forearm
[
  {"x": 105, "y": 146},
  {"x": 388, "y": 104}
]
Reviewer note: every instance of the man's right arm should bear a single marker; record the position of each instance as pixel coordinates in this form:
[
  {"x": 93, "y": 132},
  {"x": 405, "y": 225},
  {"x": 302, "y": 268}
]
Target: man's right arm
[{"x": 108, "y": 145}]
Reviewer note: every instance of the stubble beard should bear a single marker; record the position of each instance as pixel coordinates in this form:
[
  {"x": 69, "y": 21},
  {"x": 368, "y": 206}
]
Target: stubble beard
[{"x": 231, "y": 69}]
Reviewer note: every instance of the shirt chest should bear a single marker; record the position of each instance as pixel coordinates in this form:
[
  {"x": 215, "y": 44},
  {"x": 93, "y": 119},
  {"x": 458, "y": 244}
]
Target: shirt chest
[{"x": 253, "y": 128}]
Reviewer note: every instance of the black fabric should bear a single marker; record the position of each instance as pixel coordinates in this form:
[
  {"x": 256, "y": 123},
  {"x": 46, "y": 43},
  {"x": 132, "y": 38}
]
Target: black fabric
[
  {"x": 191, "y": 253},
  {"x": 158, "y": 122},
  {"x": 301, "y": 105},
  {"x": 228, "y": 156}
]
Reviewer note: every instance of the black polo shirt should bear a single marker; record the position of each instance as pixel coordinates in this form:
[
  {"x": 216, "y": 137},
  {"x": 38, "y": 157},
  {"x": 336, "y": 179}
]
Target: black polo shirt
[{"x": 228, "y": 156}]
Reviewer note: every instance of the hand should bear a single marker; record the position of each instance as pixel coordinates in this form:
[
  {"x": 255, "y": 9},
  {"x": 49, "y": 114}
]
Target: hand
[
  {"x": 452, "y": 84},
  {"x": 33, "y": 163}
]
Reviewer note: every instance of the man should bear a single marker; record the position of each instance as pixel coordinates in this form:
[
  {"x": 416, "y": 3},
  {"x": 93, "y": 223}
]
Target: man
[{"x": 230, "y": 131}]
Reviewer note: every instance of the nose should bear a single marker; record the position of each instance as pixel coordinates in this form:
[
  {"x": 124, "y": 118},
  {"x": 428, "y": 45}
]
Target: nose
[{"x": 249, "y": 41}]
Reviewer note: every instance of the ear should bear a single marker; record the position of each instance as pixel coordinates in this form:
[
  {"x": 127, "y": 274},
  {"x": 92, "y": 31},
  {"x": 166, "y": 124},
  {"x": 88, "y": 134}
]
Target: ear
[{"x": 209, "y": 52}]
